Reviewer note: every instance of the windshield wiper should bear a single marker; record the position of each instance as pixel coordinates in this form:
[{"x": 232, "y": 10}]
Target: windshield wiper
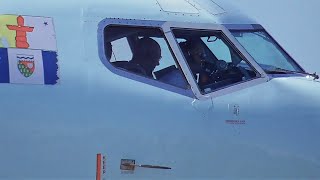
[
  {"x": 314, "y": 75},
  {"x": 285, "y": 71},
  {"x": 280, "y": 71}
]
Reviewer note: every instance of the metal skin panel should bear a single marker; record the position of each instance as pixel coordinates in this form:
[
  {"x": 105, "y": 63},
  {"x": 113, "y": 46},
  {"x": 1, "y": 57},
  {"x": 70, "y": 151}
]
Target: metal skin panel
[
  {"x": 211, "y": 6},
  {"x": 177, "y": 6},
  {"x": 136, "y": 10}
]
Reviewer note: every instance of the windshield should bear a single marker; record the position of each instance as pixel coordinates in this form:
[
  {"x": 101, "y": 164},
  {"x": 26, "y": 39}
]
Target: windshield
[
  {"x": 212, "y": 59},
  {"x": 266, "y": 52}
]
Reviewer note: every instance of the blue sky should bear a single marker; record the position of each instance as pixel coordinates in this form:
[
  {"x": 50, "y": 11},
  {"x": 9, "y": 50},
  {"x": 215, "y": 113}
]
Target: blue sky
[{"x": 294, "y": 24}]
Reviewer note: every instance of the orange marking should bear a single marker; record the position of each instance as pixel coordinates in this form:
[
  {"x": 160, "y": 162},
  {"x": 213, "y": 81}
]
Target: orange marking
[
  {"x": 21, "y": 33},
  {"x": 98, "y": 176}
]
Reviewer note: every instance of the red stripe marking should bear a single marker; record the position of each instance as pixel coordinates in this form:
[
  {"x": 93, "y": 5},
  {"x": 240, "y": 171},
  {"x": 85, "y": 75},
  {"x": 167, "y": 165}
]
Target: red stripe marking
[{"x": 98, "y": 176}]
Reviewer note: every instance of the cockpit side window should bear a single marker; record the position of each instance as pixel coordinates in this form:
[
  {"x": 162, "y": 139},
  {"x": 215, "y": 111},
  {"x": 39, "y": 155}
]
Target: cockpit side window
[
  {"x": 214, "y": 63},
  {"x": 143, "y": 51}
]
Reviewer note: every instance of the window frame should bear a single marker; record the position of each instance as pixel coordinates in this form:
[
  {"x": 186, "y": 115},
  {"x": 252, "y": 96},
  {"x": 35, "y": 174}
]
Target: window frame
[
  {"x": 108, "y": 22},
  {"x": 168, "y": 26}
]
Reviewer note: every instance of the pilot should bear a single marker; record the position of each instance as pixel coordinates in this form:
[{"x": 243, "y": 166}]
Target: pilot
[
  {"x": 146, "y": 56},
  {"x": 207, "y": 69},
  {"x": 196, "y": 61}
]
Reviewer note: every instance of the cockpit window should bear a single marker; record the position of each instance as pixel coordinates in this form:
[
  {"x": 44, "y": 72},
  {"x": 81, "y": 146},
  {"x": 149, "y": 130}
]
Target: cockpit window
[
  {"x": 265, "y": 51},
  {"x": 143, "y": 51},
  {"x": 214, "y": 63}
]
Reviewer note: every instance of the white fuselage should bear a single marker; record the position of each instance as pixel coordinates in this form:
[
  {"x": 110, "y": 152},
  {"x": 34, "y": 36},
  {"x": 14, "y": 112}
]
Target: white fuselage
[{"x": 51, "y": 132}]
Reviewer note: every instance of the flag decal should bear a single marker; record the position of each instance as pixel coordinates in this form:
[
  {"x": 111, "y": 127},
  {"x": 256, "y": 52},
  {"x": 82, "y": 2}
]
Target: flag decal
[{"x": 28, "y": 50}]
